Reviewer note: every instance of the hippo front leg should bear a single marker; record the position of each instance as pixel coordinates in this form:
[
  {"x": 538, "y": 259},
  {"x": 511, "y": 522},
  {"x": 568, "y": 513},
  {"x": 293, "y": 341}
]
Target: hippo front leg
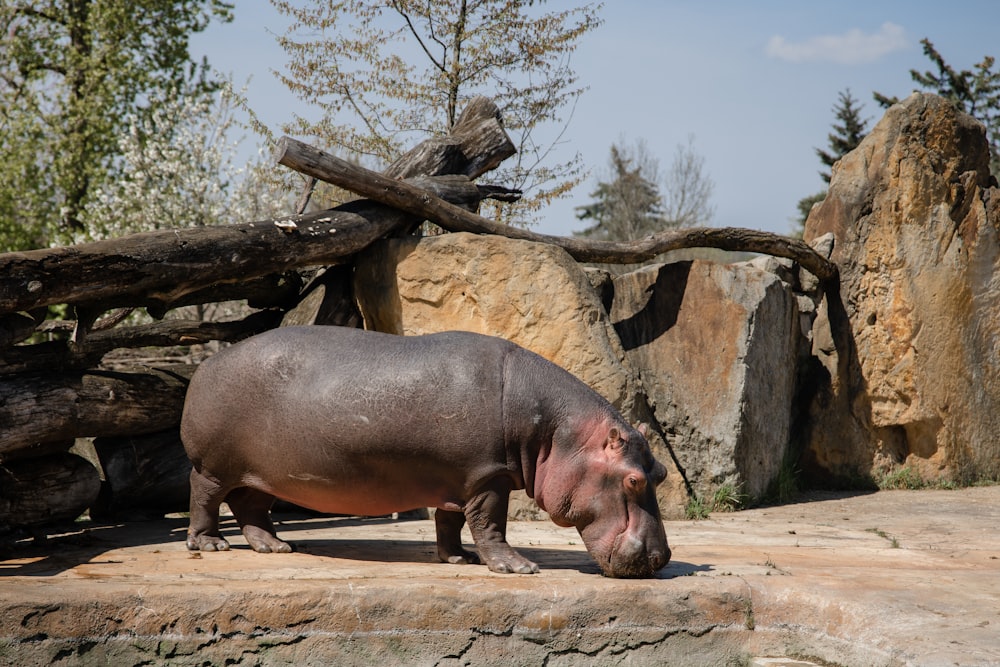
[{"x": 486, "y": 514}]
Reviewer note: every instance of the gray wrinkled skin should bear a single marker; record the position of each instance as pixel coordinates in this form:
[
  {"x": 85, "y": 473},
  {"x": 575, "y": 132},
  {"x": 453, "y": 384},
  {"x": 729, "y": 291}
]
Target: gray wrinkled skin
[{"x": 354, "y": 422}]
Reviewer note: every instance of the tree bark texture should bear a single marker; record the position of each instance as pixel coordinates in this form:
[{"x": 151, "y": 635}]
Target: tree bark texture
[
  {"x": 145, "y": 476},
  {"x": 33, "y": 492},
  {"x": 328, "y": 299},
  {"x": 61, "y": 355},
  {"x": 55, "y": 407},
  {"x": 404, "y": 196}
]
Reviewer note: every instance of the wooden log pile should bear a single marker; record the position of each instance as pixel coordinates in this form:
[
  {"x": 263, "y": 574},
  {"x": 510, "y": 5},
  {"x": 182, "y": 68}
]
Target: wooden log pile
[{"x": 55, "y": 388}]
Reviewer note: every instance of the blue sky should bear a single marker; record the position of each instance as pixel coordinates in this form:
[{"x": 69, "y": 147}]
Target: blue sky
[{"x": 753, "y": 83}]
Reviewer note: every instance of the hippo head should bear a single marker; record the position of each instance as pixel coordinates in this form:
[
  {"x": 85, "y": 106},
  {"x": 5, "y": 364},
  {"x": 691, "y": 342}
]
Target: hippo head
[{"x": 606, "y": 489}]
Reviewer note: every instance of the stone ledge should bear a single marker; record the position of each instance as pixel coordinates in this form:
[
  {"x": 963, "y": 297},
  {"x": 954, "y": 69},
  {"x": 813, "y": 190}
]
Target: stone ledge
[{"x": 816, "y": 581}]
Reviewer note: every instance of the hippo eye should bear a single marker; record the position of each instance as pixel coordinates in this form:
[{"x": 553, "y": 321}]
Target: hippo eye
[{"x": 634, "y": 482}]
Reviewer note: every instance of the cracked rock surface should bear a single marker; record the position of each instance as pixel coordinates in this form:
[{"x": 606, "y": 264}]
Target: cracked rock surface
[{"x": 889, "y": 578}]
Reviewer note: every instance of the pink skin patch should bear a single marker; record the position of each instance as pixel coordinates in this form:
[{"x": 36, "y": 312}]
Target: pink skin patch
[{"x": 602, "y": 488}]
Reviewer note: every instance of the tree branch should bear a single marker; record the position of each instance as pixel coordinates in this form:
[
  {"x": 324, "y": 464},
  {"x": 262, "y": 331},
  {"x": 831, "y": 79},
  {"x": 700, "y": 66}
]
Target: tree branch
[{"x": 313, "y": 162}]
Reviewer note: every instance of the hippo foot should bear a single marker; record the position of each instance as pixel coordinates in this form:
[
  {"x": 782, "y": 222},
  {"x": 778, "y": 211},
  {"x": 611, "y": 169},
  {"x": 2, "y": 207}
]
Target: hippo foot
[
  {"x": 512, "y": 565},
  {"x": 460, "y": 557},
  {"x": 263, "y": 542},
  {"x": 279, "y": 547},
  {"x": 206, "y": 543}
]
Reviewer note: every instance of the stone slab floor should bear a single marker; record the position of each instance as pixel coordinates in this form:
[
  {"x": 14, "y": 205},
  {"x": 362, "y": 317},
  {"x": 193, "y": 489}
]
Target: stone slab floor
[{"x": 888, "y": 578}]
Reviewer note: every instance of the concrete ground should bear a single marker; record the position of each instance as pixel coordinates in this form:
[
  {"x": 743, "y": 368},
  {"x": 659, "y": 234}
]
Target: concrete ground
[{"x": 889, "y": 578}]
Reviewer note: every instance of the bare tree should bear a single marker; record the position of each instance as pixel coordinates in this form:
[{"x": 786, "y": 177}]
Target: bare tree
[
  {"x": 633, "y": 200},
  {"x": 687, "y": 189},
  {"x": 386, "y": 72}
]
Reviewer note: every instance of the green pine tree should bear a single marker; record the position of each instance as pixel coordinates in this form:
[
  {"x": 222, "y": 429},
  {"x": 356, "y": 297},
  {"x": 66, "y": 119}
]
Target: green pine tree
[
  {"x": 847, "y": 133},
  {"x": 849, "y": 129},
  {"x": 628, "y": 206}
]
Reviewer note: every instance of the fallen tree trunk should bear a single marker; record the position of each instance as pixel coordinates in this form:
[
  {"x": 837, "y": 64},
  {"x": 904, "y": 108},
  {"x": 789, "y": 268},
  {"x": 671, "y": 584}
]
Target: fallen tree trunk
[
  {"x": 55, "y": 407},
  {"x": 152, "y": 269},
  {"x": 59, "y": 487},
  {"x": 59, "y": 355},
  {"x": 313, "y": 162},
  {"x": 155, "y": 269}
]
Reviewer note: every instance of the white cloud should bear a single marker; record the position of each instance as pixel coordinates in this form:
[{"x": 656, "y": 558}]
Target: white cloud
[{"x": 854, "y": 47}]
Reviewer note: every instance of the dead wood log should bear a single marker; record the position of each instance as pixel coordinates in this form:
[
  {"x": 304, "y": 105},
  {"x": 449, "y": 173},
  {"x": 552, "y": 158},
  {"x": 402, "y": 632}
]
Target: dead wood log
[
  {"x": 61, "y": 356},
  {"x": 58, "y": 487},
  {"x": 328, "y": 299},
  {"x": 157, "y": 268},
  {"x": 476, "y": 144},
  {"x": 15, "y": 327},
  {"x": 55, "y": 407},
  {"x": 145, "y": 476},
  {"x": 313, "y": 162},
  {"x": 275, "y": 290}
]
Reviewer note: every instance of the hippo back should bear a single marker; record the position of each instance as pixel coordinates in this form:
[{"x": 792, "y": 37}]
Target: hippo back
[{"x": 350, "y": 403}]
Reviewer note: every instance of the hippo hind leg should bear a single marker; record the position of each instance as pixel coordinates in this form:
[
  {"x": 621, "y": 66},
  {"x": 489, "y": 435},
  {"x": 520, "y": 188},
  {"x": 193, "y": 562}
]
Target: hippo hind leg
[
  {"x": 449, "y": 538},
  {"x": 252, "y": 510},
  {"x": 203, "y": 531}
]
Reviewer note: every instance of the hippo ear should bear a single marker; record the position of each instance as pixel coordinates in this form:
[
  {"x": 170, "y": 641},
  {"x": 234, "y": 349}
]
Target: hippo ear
[
  {"x": 643, "y": 429},
  {"x": 614, "y": 439}
]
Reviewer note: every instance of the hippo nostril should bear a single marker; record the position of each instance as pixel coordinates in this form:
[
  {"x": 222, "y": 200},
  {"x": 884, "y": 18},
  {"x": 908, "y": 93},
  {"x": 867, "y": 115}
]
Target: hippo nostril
[{"x": 658, "y": 559}]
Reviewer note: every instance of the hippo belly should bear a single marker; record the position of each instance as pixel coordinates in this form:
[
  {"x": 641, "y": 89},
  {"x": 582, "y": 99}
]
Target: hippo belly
[{"x": 353, "y": 422}]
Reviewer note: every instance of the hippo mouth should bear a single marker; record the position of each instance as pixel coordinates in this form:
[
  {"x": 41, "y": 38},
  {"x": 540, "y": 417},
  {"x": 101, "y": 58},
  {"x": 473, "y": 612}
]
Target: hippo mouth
[
  {"x": 629, "y": 556},
  {"x": 632, "y": 559}
]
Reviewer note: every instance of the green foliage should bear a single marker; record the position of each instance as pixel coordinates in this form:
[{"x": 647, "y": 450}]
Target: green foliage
[
  {"x": 900, "y": 478},
  {"x": 72, "y": 75},
  {"x": 893, "y": 542},
  {"x": 633, "y": 201},
  {"x": 628, "y": 205},
  {"x": 846, "y": 135},
  {"x": 785, "y": 487},
  {"x": 726, "y": 498},
  {"x": 907, "y": 477},
  {"x": 696, "y": 509},
  {"x": 387, "y": 74},
  {"x": 975, "y": 91}
]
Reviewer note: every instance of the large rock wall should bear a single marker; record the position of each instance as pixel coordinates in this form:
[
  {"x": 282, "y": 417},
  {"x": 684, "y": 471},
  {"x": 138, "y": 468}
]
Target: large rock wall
[
  {"x": 916, "y": 378},
  {"x": 532, "y": 294},
  {"x": 716, "y": 346},
  {"x": 708, "y": 356}
]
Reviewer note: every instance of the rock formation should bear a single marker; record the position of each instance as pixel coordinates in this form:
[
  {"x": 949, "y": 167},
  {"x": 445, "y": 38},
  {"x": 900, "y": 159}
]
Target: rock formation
[
  {"x": 706, "y": 351},
  {"x": 915, "y": 377},
  {"x": 716, "y": 347}
]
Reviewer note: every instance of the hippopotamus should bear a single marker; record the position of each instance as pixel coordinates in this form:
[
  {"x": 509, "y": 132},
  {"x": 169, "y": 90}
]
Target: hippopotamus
[{"x": 356, "y": 422}]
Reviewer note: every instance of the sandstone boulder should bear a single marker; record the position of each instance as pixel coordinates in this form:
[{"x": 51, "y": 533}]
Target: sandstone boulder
[
  {"x": 716, "y": 347},
  {"x": 915, "y": 376},
  {"x": 532, "y": 294}
]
